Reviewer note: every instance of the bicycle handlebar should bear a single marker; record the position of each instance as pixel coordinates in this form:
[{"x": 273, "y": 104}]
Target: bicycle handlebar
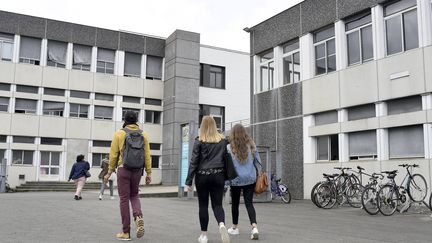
[{"x": 407, "y": 165}]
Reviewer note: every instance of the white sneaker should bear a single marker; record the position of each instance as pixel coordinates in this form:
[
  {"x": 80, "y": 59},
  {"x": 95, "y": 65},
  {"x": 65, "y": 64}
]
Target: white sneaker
[
  {"x": 202, "y": 239},
  {"x": 224, "y": 234},
  {"x": 100, "y": 196},
  {"x": 233, "y": 231},
  {"x": 254, "y": 234}
]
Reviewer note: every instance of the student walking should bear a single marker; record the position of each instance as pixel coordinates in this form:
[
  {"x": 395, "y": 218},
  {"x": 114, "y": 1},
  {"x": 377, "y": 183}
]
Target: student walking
[
  {"x": 207, "y": 167},
  {"x": 79, "y": 174},
  {"x": 242, "y": 150},
  {"x": 104, "y": 171},
  {"x": 130, "y": 152}
]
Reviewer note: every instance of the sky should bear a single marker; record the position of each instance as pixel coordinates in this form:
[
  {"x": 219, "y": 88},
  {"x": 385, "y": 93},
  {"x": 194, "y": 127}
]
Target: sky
[{"x": 220, "y": 22}]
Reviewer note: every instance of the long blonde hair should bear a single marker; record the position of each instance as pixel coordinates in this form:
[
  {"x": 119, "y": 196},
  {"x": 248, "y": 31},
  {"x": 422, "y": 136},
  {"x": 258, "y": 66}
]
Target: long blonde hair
[
  {"x": 208, "y": 132},
  {"x": 240, "y": 142}
]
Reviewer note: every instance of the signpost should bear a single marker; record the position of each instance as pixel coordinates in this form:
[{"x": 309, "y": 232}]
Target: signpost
[{"x": 184, "y": 161}]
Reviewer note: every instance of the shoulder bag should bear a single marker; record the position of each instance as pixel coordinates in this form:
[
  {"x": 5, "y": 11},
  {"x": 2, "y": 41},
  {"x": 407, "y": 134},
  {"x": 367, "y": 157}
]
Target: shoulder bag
[{"x": 261, "y": 184}]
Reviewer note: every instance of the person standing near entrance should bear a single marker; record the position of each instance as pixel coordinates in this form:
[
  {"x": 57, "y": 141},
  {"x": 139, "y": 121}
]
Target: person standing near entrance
[
  {"x": 79, "y": 174},
  {"x": 130, "y": 152},
  {"x": 242, "y": 150},
  {"x": 207, "y": 166},
  {"x": 104, "y": 171}
]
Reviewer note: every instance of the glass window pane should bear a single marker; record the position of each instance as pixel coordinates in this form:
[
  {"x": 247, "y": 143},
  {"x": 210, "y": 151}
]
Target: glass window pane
[
  {"x": 25, "y": 106},
  {"x": 17, "y": 157},
  {"x": 320, "y": 66},
  {"x": 28, "y": 157},
  {"x": 55, "y": 158},
  {"x": 132, "y": 64},
  {"x": 154, "y": 67},
  {"x": 367, "y": 43},
  {"x": 361, "y": 112},
  {"x": 324, "y": 34},
  {"x": 131, "y": 99},
  {"x": 4, "y": 104},
  {"x": 57, "y": 52},
  {"x": 287, "y": 69},
  {"x": 296, "y": 66},
  {"x": 406, "y": 142},
  {"x": 100, "y": 96},
  {"x": 331, "y": 49},
  {"x": 149, "y": 101},
  {"x": 45, "y": 158},
  {"x": 404, "y": 105},
  {"x": 362, "y": 143},
  {"x": 54, "y": 171},
  {"x": 322, "y": 148},
  {"x": 264, "y": 78},
  {"x": 27, "y": 89},
  {"x": 353, "y": 42},
  {"x": 30, "y": 48},
  {"x": 80, "y": 94},
  {"x": 157, "y": 117},
  {"x": 291, "y": 46},
  {"x": 103, "y": 112},
  {"x": 23, "y": 139},
  {"x": 105, "y": 55},
  {"x": 149, "y": 116},
  {"x": 56, "y": 92},
  {"x": 155, "y": 161},
  {"x": 331, "y": 63},
  {"x": 394, "y": 35},
  {"x": 6, "y": 50},
  {"x": 267, "y": 56},
  {"x": 410, "y": 30},
  {"x": 326, "y": 118},
  {"x": 358, "y": 20},
  {"x": 320, "y": 51},
  {"x": 53, "y": 108},
  {"x": 51, "y": 141},
  {"x": 5, "y": 87},
  {"x": 398, "y": 6},
  {"x": 81, "y": 55}
]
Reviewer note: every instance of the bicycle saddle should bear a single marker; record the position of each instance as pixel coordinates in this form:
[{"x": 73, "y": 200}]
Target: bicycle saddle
[
  {"x": 329, "y": 176},
  {"x": 360, "y": 168},
  {"x": 389, "y": 172}
]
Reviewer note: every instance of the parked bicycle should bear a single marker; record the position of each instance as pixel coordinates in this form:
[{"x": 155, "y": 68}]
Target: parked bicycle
[
  {"x": 369, "y": 194},
  {"x": 279, "y": 190},
  {"x": 392, "y": 197}
]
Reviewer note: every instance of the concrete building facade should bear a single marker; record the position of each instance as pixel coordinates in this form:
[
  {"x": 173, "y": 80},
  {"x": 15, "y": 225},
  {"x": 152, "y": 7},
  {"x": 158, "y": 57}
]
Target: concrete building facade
[
  {"x": 64, "y": 88},
  {"x": 343, "y": 83}
]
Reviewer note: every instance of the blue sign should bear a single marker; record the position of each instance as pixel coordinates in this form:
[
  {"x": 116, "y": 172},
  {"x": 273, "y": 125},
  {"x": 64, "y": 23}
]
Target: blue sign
[{"x": 184, "y": 154}]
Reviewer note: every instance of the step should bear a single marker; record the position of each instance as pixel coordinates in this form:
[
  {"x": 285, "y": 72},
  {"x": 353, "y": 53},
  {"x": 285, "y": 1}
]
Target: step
[{"x": 48, "y": 190}]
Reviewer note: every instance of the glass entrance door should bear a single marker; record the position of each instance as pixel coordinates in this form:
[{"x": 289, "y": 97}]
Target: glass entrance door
[{"x": 49, "y": 166}]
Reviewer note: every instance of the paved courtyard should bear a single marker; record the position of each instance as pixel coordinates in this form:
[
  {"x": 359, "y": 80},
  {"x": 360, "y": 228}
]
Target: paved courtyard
[{"x": 56, "y": 217}]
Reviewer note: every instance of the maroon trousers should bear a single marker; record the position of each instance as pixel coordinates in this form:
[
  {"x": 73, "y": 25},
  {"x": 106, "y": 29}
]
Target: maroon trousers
[{"x": 127, "y": 184}]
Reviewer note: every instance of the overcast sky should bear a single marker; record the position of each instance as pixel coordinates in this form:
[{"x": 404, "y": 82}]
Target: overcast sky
[{"x": 220, "y": 22}]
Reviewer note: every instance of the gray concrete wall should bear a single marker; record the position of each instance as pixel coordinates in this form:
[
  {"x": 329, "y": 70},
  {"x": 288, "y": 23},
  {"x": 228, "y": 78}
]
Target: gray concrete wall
[
  {"x": 181, "y": 87},
  {"x": 74, "y": 148},
  {"x": 80, "y": 34}
]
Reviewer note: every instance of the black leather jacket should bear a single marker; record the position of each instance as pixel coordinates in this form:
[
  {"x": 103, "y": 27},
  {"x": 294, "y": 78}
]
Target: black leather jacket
[{"x": 206, "y": 156}]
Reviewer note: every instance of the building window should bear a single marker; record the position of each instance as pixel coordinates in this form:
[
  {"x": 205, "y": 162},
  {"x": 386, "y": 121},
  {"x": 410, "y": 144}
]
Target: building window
[
  {"x": 101, "y": 143},
  {"x": 291, "y": 62},
  {"x": 103, "y": 112},
  {"x": 22, "y": 157},
  {"x": 50, "y": 163},
  {"x": 401, "y": 26},
  {"x": 154, "y": 68},
  {"x": 131, "y": 99},
  {"x": 55, "y": 92},
  {"x": 212, "y": 76},
  {"x": 51, "y": 141},
  {"x": 124, "y": 109},
  {"x": 153, "y": 117},
  {"x": 217, "y": 112},
  {"x": 2, "y": 154},
  {"x": 23, "y": 139},
  {"x": 361, "y": 112},
  {"x": 362, "y": 145},
  {"x": 78, "y": 110},
  {"x": 105, "y": 61},
  {"x": 325, "y": 51},
  {"x": 52, "y": 108},
  {"x": 56, "y": 56},
  {"x": 30, "y": 50},
  {"x": 404, "y": 105},
  {"x": 132, "y": 65},
  {"x": 266, "y": 72},
  {"x": 155, "y": 146},
  {"x": 6, "y": 47},
  {"x": 97, "y": 159},
  {"x": 328, "y": 148},
  {"x": 27, "y": 89},
  {"x": 155, "y": 161},
  {"x": 405, "y": 142},
  {"x": 327, "y": 117},
  {"x": 3, "y": 138},
  {"x": 156, "y": 102},
  {"x": 100, "y": 96},
  {"x": 359, "y": 38},
  {"x": 82, "y": 56},
  {"x": 80, "y": 94},
  {"x": 25, "y": 106},
  {"x": 5, "y": 87},
  {"x": 4, "y": 104}
]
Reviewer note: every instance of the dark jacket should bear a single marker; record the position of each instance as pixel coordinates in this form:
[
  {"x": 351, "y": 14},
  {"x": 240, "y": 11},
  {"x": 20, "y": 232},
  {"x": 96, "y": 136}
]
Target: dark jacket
[
  {"x": 206, "y": 156},
  {"x": 79, "y": 169}
]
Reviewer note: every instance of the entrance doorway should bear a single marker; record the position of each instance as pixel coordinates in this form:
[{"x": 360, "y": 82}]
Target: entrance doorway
[{"x": 49, "y": 169}]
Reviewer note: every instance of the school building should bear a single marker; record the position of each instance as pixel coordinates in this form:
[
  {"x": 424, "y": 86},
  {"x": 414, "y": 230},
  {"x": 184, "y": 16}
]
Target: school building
[
  {"x": 64, "y": 88},
  {"x": 343, "y": 83}
]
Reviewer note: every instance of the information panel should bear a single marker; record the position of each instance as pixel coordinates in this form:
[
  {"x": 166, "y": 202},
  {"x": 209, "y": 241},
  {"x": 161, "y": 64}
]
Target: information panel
[{"x": 185, "y": 132}]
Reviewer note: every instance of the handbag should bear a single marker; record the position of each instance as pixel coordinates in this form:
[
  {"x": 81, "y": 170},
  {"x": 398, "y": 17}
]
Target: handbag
[
  {"x": 87, "y": 174},
  {"x": 230, "y": 171},
  {"x": 261, "y": 184},
  {"x": 113, "y": 176}
]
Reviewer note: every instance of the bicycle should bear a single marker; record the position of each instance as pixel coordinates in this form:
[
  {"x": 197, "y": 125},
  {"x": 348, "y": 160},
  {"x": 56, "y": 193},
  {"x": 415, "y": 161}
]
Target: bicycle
[
  {"x": 391, "y": 197},
  {"x": 279, "y": 190},
  {"x": 369, "y": 194}
]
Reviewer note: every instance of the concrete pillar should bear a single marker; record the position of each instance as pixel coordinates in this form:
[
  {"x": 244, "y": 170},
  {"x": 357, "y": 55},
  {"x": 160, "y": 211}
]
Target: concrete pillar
[{"x": 181, "y": 86}]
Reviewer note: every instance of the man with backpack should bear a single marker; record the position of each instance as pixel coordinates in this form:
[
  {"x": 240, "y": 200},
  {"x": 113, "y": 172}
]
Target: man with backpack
[{"x": 130, "y": 152}]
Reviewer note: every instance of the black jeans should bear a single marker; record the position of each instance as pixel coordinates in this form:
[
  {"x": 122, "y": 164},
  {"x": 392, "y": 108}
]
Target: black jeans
[
  {"x": 212, "y": 185},
  {"x": 248, "y": 192}
]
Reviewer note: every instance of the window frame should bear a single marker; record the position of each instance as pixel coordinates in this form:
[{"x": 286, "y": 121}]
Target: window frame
[
  {"x": 79, "y": 113},
  {"x": 267, "y": 64},
  {"x": 292, "y": 73},
  {"x": 22, "y": 157},
  {"x": 79, "y": 66},
  {"x": 58, "y": 113},
  {"x": 152, "y": 117},
  {"x": 401, "y": 14},
  {"x": 26, "y": 111},
  {"x": 2, "y": 42},
  {"x": 105, "y": 63},
  {"x": 103, "y": 118},
  {"x": 359, "y": 30},
  {"x": 102, "y": 155},
  {"x": 329, "y": 152},
  {"x": 4, "y": 104},
  {"x": 326, "y": 56},
  {"x": 29, "y": 60},
  {"x": 51, "y": 63}
]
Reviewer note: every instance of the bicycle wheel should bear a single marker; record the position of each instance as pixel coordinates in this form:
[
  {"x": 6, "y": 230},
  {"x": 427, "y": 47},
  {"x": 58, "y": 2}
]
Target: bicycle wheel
[
  {"x": 430, "y": 201},
  {"x": 369, "y": 200},
  {"x": 355, "y": 195},
  {"x": 313, "y": 193},
  {"x": 417, "y": 188},
  {"x": 285, "y": 194},
  {"x": 387, "y": 200},
  {"x": 326, "y": 195}
]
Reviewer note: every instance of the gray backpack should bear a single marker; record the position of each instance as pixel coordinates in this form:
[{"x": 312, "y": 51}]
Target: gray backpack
[{"x": 133, "y": 149}]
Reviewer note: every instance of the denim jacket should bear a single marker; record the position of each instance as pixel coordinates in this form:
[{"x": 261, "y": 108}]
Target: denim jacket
[{"x": 246, "y": 171}]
